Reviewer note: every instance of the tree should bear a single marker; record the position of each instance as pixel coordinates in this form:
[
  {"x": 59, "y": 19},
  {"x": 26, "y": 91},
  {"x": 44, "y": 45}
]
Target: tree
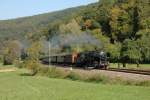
[
  {"x": 33, "y": 52},
  {"x": 71, "y": 27},
  {"x": 144, "y": 13},
  {"x": 114, "y": 52},
  {"x": 120, "y": 24},
  {"x": 12, "y": 51},
  {"x": 103, "y": 15},
  {"x": 32, "y": 61},
  {"x": 145, "y": 46},
  {"x": 131, "y": 52}
]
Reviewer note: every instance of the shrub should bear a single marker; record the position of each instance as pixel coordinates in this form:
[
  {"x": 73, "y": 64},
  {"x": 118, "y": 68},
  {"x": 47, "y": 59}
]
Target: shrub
[
  {"x": 32, "y": 65},
  {"x": 128, "y": 82},
  {"x": 7, "y": 61},
  {"x": 54, "y": 72},
  {"x": 32, "y": 62},
  {"x": 143, "y": 83},
  {"x": 73, "y": 76},
  {"x": 17, "y": 63},
  {"x": 43, "y": 71},
  {"x": 97, "y": 78},
  {"x": 20, "y": 64},
  {"x": 11, "y": 52}
]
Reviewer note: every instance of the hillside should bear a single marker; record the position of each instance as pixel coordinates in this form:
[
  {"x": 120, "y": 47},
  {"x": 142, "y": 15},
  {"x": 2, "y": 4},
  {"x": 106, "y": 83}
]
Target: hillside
[
  {"x": 121, "y": 28},
  {"x": 19, "y": 27}
]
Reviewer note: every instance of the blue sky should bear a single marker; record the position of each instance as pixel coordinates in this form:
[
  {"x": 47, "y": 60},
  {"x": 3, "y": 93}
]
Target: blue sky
[{"x": 19, "y": 8}]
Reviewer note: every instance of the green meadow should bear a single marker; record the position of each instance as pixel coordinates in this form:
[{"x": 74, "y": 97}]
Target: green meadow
[{"x": 19, "y": 86}]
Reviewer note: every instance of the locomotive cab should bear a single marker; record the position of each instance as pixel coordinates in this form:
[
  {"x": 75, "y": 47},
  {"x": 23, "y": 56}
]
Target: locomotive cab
[{"x": 92, "y": 59}]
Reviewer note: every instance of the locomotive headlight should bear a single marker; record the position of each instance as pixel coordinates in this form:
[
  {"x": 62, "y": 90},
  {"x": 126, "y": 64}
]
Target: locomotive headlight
[{"x": 101, "y": 53}]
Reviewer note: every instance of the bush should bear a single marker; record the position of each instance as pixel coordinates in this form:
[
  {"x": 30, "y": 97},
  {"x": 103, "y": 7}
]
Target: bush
[
  {"x": 97, "y": 78},
  {"x": 7, "y": 61},
  {"x": 143, "y": 83},
  {"x": 43, "y": 71},
  {"x": 32, "y": 65},
  {"x": 73, "y": 76},
  {"x": 52, "y": 72},
  {"x": 19, "y": 64}
]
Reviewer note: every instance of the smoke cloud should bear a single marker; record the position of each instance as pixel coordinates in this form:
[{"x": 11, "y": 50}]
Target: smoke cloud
[{"x": 77, "y": 42}]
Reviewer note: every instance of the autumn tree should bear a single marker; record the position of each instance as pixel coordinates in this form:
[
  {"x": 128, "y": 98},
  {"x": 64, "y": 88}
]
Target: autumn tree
[
  {"x": 32, "y": 62},
  {"x": 71, "y": 27},
  {"x": 120, "y": 24},
  {"x": 12, "y": 51},
  {"x": 103, "y": 15}
]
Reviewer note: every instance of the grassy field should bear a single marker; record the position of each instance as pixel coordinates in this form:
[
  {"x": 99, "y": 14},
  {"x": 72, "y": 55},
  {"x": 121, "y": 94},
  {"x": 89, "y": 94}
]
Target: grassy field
[
  {"x": 131, "y": 66},
  {"x": 17, "y": 86}
]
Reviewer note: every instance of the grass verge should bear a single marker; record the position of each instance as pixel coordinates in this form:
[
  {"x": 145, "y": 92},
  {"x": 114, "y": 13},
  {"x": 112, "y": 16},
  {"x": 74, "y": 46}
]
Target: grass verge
[
  {"x": 54, "y": 72},
  {"x": 18, "y": 86}
]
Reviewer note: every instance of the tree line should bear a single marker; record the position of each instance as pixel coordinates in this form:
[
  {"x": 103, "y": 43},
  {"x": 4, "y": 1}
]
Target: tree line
[{"x": 121, "y": 26}]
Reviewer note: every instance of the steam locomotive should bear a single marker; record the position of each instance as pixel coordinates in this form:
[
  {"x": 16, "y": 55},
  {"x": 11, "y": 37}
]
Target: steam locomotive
[{"x": 91, "y": 59}]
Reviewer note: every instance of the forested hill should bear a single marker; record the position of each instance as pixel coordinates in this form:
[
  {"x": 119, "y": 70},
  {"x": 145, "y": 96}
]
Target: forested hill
[
  {"x": 19, "y": 27},
  {"x": 119, "y": 27}
]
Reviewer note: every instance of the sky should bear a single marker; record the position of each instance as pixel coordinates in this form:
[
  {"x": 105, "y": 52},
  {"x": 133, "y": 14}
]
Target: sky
[{"x": 10, "y": 9}]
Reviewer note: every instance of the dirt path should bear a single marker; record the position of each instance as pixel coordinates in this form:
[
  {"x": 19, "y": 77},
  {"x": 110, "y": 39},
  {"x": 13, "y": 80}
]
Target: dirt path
[{"x": 7, "y": 70}]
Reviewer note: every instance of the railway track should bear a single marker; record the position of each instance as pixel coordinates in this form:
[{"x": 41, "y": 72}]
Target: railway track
[
  {"x": 143, "y": 72},
  {"x": 133, "y": 71}
]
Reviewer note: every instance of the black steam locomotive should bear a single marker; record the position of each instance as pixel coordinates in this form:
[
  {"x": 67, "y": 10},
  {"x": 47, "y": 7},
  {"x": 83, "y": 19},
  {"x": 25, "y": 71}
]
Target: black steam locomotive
[{"x": 92, "y": 59}]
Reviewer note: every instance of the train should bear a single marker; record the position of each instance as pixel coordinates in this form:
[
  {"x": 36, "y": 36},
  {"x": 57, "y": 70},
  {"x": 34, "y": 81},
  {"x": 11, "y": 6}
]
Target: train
[{"x": 90, "y": 59}]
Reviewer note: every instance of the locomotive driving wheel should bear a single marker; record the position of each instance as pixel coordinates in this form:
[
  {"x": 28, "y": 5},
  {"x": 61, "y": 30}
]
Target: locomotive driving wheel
[{"x": 96, "y": 64}]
